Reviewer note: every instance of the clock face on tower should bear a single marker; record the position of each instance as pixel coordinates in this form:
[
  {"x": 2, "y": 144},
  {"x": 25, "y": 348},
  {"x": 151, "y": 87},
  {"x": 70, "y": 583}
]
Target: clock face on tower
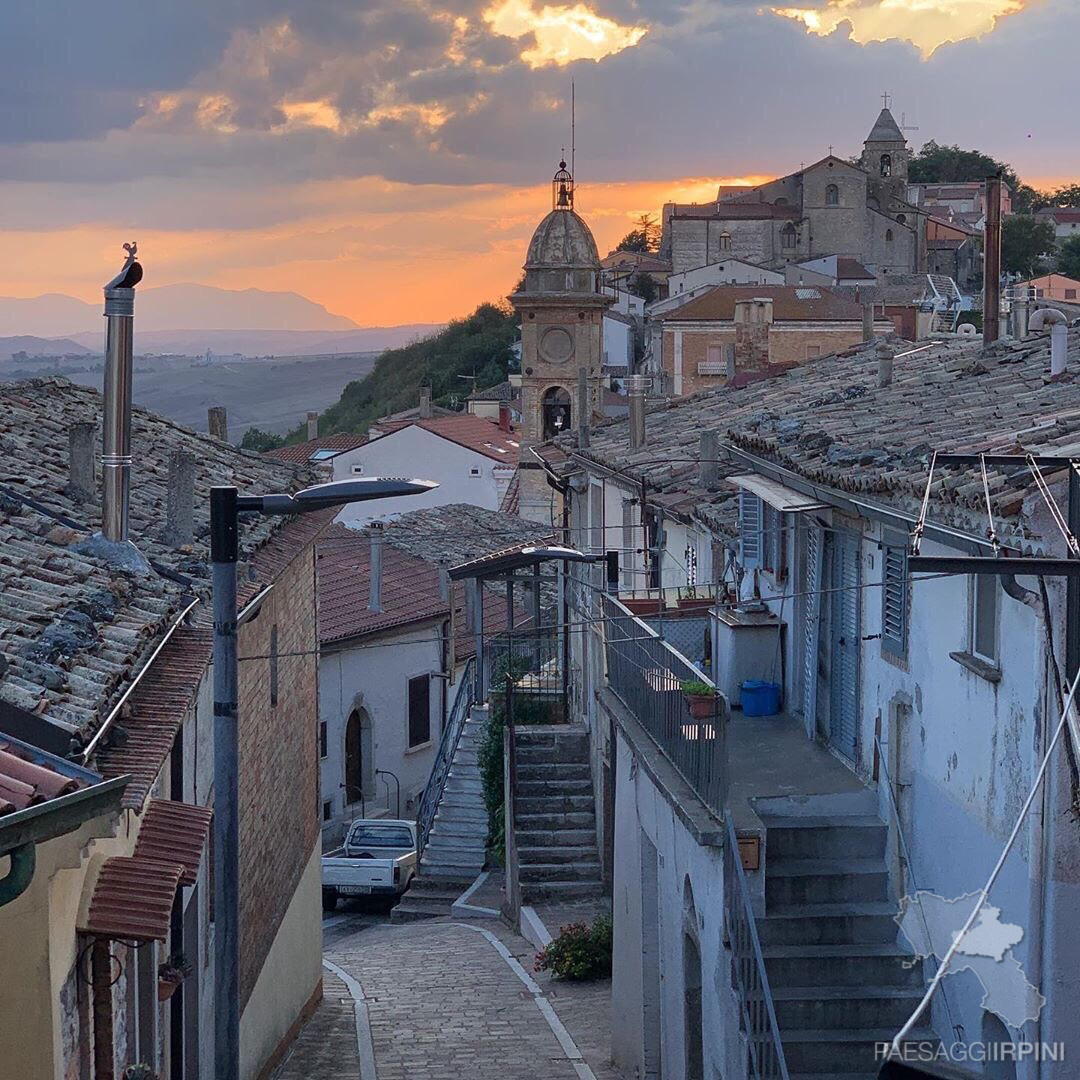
[{"x": 556, "y": 345}]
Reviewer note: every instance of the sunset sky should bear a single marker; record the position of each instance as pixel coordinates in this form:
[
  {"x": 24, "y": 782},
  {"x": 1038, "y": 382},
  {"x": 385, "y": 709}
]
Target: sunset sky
[{"x": 390, "y": 159}]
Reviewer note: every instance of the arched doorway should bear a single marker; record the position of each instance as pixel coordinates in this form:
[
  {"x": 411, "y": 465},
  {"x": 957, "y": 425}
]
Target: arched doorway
[
  {"x": 994, "y": 1031},
  {"x": 692, "y": 1015},
  {"x": 359, "y": 761},
  {"x": 555, "y": 409}
]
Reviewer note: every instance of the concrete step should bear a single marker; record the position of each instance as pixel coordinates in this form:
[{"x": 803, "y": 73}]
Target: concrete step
[
  {"x": 552, "y": 804},
  {"x": 436, "y": 888},
  {"x": 827, "y": 1008},
  {"x": 534, "y": 754},
  {"x": 841, "y": 965},
  {"x": 842, "y": 1050},
  {"x": 557, "y": 837},
  {"x": 455, "y": 849},
  {"x": 532, "y": 891},
  {"x": 474, "y": 827},
  {"x": 462, "y": 877},
  {"x": 528, "y": 789},
  {"x": 829, "y": 924},
  {"x": 445, "y": 857},
  {"x": 463, "y": 782},
  {"x": 585, "y": 819},
  {"x": 557, "y": 772},
  {"x": 461, "y": 800},
  {"x": 575, "y": 853},
  {"x": 824, "y": 881},
  {"x": 559, "y": 871},
  {"x": 855, "y": 836}
]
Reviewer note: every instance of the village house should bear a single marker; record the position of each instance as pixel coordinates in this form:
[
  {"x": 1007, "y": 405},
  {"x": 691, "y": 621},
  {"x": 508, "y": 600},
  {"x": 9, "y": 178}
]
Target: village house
[
  {"x": 1055, "y": 287},
  {"x": 106, "y": 677},
  {"x": 393, "y": 650},
  {"x": 830, "y": 207},
  {"x": 1065, "y": 220},
  {"x": 764, "y": 534},
  {"x": 746, "y": 329}
]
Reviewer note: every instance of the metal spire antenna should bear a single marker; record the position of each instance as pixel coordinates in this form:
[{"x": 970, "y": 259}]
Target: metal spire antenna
[{"x": 573, "y": 124}]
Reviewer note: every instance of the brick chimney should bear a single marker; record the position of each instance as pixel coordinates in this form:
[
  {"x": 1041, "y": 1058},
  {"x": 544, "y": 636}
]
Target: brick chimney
[
  {"x": 82, "y": 462},
  {"x": 180, "y": 505},
  {"x": 312, "y": 425},
  {"x": 217, "y": 422},
  {"x": 504, "y": 416},
  {"x": 753, "y": 318},
  {"x": 425, "y": 402}
]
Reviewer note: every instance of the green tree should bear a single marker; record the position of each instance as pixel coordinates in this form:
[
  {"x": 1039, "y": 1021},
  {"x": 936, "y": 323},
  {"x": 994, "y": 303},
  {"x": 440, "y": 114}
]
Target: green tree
[
  {"x": 643, "y": 285},
  {"x": 1024, "y": 242},
  {"x": 260, "y": 441},
  {"x": 1067, "y": 195},
  {"x": 935, "y": 164},
  {"x": 644, "y": 237},
  {"x": 1068, "y": 262}
]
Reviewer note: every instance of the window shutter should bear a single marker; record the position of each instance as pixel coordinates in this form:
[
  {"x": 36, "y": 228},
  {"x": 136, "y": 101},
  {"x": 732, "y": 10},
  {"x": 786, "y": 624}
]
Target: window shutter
[
  {"x": 750, "y": 526},
  {"x": 894, "y": 600}
]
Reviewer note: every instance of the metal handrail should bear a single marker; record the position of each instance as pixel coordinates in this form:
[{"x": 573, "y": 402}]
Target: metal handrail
[
  {"x": 766, "y": 1051},
  {"x": 448, "y": 743}
]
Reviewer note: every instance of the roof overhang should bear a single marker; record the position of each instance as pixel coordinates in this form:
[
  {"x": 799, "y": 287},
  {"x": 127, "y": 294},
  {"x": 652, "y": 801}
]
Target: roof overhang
[{"x": 779, "y": 496}]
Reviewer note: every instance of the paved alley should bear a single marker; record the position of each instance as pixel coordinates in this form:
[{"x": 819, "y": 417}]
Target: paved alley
[{"x": 440, "y": 1000}]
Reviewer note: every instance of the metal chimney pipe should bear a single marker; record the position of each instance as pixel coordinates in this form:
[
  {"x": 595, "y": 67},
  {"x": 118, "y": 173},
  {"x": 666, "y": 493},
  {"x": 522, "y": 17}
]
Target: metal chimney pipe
[
  {"x": 116, "y": 434},
  {"x": 636, "y": 387},
  {"x": 992, "y": 262},
  {"x": 1059, "y": 336},
  {"x": 375, "y": 591},
  {"x": 583, "y": 407},
  {"x": 708, "y": 460},
  {"x": 312, "y": 425}
]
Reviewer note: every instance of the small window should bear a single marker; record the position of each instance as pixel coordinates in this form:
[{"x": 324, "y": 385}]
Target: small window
[
  {"x": 983, "y": 635},
  {"x": 358, "y": 470},
  {"x": 832, "y": 195},
  {"x": 327, "y": 810},
  {"x": 323, "y": 740},
  {"x": 895, "y": 595},
  {"x": 474, "y": 470},
  {"x": 419, "y": 710},
  {"x": 1070, "y": 294},
  {"x": 789, "y": 238},
  {"x": 725, "y": 242},
  {"x": 901, "y": 218},
  {"x": 812, "y": 351},
  {"x": 273, "y": 666},
  {"x": 888, "y": 236},
  {"x": 886, "y": 164}
]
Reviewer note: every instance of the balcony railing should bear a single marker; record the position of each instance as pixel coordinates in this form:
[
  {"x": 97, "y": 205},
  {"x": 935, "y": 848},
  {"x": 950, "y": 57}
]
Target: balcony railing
[
  {"x": 527, "y": 675},
  {"x": 758, "y": 1015},
  {"x": 647, "y": 674},
  {"x": 464, "y": 700}
]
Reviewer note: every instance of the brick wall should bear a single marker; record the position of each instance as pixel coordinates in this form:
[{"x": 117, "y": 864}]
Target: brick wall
[
  {"x": 278, "y": 766},
  {"x": 796, "y": 345}
]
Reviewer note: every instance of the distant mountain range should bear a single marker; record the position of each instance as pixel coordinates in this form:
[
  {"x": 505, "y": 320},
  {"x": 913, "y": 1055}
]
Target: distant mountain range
[
  {"x": 192, "y": 318},
  {"x": 37, "y": 346}
]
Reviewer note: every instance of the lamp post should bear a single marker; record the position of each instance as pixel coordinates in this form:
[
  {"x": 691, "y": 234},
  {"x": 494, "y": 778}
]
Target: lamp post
[{"x": 226, "y": 504}]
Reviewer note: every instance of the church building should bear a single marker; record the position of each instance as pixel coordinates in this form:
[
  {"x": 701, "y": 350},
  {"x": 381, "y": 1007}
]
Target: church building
[
  {"x": 832, "y": 207},
  {"x": 562, "y": 315}
]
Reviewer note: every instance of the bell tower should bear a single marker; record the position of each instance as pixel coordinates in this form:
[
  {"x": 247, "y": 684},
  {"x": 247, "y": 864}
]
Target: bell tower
[
  {"x": 562, "y": 327},
  {"x": 886, "y": 154}
]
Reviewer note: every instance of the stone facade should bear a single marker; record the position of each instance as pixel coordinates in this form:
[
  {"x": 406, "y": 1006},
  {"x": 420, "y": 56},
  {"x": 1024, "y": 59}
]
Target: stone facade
[
  {"x": 829, "y": 208},
  {"x": 278, "y": 770}
]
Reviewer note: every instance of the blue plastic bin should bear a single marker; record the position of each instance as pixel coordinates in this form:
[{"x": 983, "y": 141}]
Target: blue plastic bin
[{"x": 760, "y": 698}]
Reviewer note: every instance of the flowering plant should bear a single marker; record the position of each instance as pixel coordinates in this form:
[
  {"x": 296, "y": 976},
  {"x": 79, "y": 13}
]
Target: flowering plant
[{"x": 580, "y": 952}]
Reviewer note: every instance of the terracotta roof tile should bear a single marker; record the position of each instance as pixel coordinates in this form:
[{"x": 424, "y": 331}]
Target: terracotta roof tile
[
  {"x": 790, "y": 303},
  {"x": 473, "y": 432},
  {"x": 174, "y": 832},
  {"x": 133, "y": 899},
  {"x": 301, "y": 453}
]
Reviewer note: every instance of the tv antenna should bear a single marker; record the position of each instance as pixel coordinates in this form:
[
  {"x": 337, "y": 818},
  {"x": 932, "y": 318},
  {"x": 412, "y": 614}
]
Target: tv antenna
[{"x": 573, "y": 124}]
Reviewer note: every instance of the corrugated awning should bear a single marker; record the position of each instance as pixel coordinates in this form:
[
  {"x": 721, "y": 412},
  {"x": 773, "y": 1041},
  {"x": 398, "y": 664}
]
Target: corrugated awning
[
  {"x": 174, "y": 832},
  {"x": 786, "y": 500},
  {"x": 133, "y": 899}
]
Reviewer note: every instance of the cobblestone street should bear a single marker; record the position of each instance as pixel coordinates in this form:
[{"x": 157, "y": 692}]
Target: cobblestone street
[{"x": 441, "y": 1000}]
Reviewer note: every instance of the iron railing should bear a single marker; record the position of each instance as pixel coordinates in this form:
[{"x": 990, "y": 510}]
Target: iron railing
[
  {"x": 647, "y": 674},
  {"x": 527, "y": 676},
  {"x": 451, "y": 735},
  {"x": 765, "y": 1051}
]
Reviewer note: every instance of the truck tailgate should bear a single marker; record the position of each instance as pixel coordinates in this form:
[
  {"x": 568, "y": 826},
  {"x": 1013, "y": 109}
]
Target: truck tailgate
[{"x": 363, "y": 875}]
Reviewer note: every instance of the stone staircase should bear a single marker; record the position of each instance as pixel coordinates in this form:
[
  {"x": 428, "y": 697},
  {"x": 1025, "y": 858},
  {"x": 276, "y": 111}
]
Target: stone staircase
[
  {"x": 454, "y": 854},
  {"x": 840, "y": 981},
  {"x": 554, "y": 814}
]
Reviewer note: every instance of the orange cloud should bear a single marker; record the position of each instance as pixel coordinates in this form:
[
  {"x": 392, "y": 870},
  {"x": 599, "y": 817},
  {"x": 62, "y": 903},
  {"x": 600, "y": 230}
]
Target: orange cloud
[
  {"x": 927, "y": 24},
  {"x": 562, "y": 33}
]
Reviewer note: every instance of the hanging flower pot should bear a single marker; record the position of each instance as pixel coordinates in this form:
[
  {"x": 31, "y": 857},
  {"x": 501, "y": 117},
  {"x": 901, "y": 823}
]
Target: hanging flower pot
[
  {"x": 167, "y": 987},
  {"x": 171, "y": 974},
  {"x": 700, "y": 698}
]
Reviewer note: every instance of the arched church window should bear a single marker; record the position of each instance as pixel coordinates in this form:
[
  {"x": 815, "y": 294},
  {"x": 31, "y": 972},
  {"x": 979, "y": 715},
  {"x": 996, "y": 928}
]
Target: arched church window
[
  {"x": 832, "y": 195},
  {"x": 901, "y": 218},
  {"x": 781, "y": 201},
  {"x": 555, "y": 409},
  {"x": 788, "y": 236},
  {"x": 725, "y": 241},
  {"x": 888, "y": 236},
  {"x": 886, "y": 164}
]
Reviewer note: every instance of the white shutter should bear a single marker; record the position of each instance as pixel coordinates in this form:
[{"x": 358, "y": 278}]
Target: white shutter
[{"x": 750, "y": 529}]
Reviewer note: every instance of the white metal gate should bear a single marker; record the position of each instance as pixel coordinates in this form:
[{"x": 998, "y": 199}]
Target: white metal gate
[{"x": 845, "y": 606}]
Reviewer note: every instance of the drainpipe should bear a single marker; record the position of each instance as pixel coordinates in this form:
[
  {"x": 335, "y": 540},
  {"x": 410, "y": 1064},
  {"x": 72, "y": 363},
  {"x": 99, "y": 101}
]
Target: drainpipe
[
  {"x": 375, "y": 570},
  {"x": 20, "y": 873}
]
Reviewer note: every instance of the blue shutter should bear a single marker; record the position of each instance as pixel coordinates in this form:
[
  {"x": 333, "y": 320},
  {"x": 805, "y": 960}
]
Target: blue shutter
[{"x": 750, "y": 528}]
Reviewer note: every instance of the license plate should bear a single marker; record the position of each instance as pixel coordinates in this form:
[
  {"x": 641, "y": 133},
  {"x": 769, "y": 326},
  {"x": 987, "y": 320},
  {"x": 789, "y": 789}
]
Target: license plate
[{"x": 354, "y": 890}]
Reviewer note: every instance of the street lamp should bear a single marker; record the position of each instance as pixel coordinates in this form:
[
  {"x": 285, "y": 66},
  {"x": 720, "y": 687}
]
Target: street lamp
[{"x": 226, "y": 504}]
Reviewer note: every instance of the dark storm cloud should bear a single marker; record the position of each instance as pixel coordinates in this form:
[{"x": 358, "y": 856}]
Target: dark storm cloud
[{"x": 182, "y": 88}]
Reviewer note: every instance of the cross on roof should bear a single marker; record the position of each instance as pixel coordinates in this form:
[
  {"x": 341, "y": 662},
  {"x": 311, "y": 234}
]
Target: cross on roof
[
  {"x": 830, "y": 149},
  {"x": 886, "y": 99}
]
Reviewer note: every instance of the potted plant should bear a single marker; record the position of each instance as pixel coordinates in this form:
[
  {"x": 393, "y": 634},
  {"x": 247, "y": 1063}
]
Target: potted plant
[
  {"x": 171, "y": 974},
  {"x": 701, "y": 697}
]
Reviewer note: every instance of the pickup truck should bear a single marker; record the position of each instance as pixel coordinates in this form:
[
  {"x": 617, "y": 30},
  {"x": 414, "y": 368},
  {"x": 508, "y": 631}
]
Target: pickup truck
[{"x": 378, "y": 859}]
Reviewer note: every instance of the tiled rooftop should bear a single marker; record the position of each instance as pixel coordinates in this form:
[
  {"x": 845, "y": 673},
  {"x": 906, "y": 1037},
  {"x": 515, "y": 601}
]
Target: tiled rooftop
[
  {"x": 73, "y": 631},
  {"x": 325, "y": 446},
  {"x": 28, "y": 778},
  {"x": 473, "y": 432},
  {"x": 790, "y": 302},
  {"x": 831, "y": 423}
]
